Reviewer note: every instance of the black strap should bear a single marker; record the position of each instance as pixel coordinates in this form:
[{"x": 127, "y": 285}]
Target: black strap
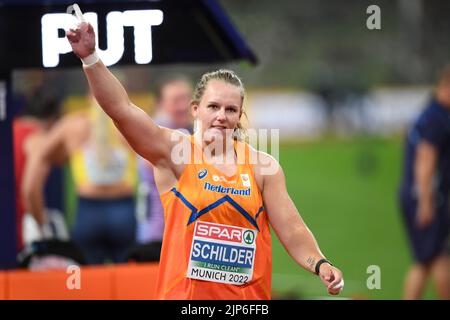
[{"x": 319, "y": 263}]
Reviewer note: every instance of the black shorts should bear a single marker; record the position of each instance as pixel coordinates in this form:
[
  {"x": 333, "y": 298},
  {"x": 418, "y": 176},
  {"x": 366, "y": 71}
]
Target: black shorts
[{"x": 429, "y": 242}]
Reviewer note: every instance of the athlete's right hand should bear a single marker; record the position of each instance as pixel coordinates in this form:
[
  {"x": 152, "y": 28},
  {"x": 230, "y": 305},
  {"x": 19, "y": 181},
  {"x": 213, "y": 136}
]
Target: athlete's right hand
[{"x": 82, "y": 39}]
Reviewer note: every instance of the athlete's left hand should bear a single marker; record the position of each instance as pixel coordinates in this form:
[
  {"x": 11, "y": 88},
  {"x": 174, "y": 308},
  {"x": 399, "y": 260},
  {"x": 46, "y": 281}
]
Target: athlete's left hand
[{"x": 332, "y": 278}]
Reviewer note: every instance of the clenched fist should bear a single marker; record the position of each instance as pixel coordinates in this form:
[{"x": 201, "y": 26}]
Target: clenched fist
[{"x": 82, "y": 40}]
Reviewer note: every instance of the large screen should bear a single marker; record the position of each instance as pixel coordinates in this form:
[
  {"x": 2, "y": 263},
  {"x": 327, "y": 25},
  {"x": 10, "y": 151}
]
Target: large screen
[{"x": 128, "y": 33}]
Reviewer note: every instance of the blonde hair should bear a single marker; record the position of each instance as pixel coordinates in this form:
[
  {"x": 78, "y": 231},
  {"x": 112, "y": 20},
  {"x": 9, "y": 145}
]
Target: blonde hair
[{"x": 229, "y": 77}]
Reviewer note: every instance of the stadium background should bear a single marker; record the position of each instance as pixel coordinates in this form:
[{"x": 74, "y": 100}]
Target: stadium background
[{"x": 347, "y": 95}]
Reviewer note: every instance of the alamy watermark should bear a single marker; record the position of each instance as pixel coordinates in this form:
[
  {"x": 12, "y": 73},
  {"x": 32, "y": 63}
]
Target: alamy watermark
[
  {"x": 374, "y": 280},
  {"x": 373, "y": 22},
  {"x": 73, "y": 281}
]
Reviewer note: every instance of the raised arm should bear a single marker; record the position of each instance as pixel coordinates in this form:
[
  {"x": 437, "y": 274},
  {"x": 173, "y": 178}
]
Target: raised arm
[
  {"x": 292, "y": 231},
  {"x": 147, "y": 138}
]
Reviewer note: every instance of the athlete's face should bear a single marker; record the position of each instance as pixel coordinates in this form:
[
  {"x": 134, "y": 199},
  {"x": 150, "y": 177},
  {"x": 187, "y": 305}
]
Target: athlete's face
[{"x": 219, "y": 110}]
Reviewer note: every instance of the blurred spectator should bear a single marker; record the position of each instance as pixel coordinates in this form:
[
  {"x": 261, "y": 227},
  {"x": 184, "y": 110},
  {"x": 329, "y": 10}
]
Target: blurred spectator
[
  {"x": 39, "y": 113},
  {"x": 173, "y": 96},
  {"x": 424, "y": 194},
  {"x": 104, "y": 171}
]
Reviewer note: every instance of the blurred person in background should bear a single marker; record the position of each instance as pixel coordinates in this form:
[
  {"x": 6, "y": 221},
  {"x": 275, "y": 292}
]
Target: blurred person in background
[
  {"x": 104, "y": 171},
  {"x": 424, "y": 194},
  {"x": 172, "y": 98},
  {"x": 39, "y": 113}
]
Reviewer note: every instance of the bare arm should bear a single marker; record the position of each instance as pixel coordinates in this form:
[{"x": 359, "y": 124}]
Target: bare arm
[
  {"x": 144, "y": 136},
  {"x": 36, "y": 173},
  {"x": 42, "y": 153},
  {"x": 293, "y": 232},
  {"x": 424, "y": 169}
]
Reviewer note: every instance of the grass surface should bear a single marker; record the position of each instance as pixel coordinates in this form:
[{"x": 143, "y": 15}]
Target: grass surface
[{"x": 346, "y": 192}]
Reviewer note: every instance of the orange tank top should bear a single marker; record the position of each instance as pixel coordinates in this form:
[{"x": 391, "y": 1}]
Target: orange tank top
[{"x": 216, "y": 241}]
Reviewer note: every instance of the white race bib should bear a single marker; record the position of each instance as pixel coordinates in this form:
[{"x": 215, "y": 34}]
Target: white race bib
[{"x": 222, "y": 253}]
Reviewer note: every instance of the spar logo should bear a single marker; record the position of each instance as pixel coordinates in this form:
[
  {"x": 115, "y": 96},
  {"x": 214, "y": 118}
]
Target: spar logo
[
  {"x": 224, "y": 233},
  {"x": 202, "y": 173}
]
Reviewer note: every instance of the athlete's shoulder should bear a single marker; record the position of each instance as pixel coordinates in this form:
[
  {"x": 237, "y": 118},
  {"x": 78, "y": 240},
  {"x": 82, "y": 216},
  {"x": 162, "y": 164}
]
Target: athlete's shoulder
[
  {"x": 432, "y": 115},
  {"x": 261, "y": 157},
  {"x": 176, "y": 135},
  {"x": 264, "y": 164}
]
